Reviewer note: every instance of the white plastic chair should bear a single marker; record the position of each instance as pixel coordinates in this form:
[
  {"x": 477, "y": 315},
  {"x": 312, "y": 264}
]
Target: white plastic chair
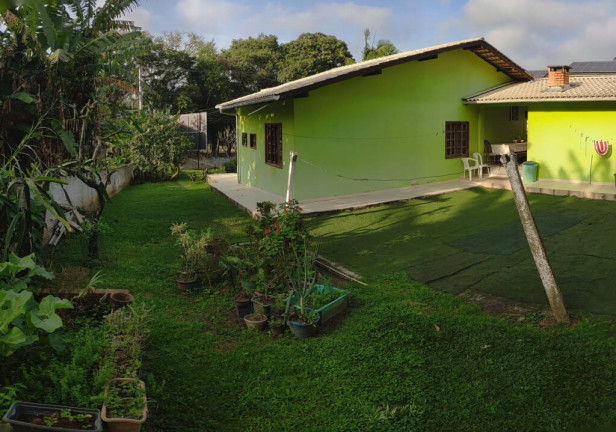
[
  {"x": 470, "y": 164},
  {"x": 480, "y": 164}
]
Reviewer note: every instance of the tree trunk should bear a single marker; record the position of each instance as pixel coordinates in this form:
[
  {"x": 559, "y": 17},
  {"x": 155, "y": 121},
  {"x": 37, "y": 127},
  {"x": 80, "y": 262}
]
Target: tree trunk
[{"x": 534, "y": 240}]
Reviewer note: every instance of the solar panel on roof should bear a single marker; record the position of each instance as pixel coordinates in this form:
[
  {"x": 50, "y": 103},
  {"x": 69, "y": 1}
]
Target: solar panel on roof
[{"x": 593, "y": 67}]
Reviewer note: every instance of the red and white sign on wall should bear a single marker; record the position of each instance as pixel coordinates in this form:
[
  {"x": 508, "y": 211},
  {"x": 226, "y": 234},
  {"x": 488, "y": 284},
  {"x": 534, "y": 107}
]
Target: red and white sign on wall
[{"x": 602, "y": 147}]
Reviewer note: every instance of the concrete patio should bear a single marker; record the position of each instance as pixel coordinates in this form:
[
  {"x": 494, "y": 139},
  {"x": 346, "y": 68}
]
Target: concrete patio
[{"x": 247, "y": 197}]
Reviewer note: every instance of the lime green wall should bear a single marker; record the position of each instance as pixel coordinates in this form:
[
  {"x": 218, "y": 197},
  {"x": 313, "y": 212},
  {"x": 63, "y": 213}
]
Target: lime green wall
[
  {"x": 387, "y": 126},
  {"x": 252, "y": 168},
  {"x": 561, "y": 139}
]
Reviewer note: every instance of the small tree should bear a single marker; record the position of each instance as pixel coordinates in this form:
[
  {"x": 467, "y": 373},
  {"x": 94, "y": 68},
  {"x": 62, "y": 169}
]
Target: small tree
[
  {"x": 226, "y": 139},
  {"x": 156, "y": 145}
]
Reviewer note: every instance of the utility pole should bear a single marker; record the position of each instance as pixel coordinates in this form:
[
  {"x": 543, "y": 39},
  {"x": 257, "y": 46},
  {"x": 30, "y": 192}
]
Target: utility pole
[{"x": 534, "y": 240}]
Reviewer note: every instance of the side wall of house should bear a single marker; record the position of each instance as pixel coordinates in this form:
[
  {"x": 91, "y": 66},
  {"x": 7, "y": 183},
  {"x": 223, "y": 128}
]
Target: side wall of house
[
  {"x": 561, "y": 140},
  {"x": 374, "y": 132},
  {"x": 252, "y": 169}
]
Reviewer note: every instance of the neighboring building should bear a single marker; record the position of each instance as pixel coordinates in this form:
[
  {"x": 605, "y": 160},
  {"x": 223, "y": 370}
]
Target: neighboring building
[
  {"x": 384, "y": 123},
  {"x": 408, "y": 119},
  {"x": 567, "y": 112}
]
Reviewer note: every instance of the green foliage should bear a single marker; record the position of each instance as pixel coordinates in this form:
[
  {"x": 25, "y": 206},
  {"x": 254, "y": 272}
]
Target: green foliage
[
  {"x": 22, "y": 318},
  {"x": 125, "y": 399},
  {"x": 383, "y": 47},
  {"x": 310, "y": 54},
  {"x": 252, "y": 63},
  {"x": 76, "y": 376},
  {"x": 194, "y": 249},
  {"x": 128, "y": 331},
  {"x": 231, "y": 166},
  {"x": 17, "y": 273},
  {"x": 155, "y": 145},
  {"x": 10, "y": 394},
  {"x": 477, "y": 372}
]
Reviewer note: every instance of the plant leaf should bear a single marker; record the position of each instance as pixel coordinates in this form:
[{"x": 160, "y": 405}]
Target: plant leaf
[{"x": 23, "y": 96}]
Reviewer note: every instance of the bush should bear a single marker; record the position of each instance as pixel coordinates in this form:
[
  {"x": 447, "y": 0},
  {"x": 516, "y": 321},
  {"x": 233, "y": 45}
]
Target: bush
[
  {"x": 156, "y": 145},
  {"x": 231, "y": 166}
]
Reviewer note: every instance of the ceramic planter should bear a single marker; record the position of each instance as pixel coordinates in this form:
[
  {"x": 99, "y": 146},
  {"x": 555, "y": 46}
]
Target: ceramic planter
[
  {"x": 256, "y": 321},
  {"x": 185, "y": 284},
  {"x": 263, "y": 304},
  {"x": 119, "y": 424},
  {"x": 21, "y": 416},
  {"x": 120, "y": 299}
]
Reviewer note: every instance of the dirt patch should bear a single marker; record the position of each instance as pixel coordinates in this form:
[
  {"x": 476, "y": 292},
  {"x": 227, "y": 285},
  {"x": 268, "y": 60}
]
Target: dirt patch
[{"x": 502, "y": 307}]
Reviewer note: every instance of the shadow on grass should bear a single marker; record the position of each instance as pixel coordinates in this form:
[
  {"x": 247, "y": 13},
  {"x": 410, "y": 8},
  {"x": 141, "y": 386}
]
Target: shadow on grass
[{"x": 438, "y": 241}]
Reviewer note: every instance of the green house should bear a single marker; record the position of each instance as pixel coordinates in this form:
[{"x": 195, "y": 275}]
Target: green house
[
  {"x": 386, "y": 123},
  {"x": 566, "y": 114}
]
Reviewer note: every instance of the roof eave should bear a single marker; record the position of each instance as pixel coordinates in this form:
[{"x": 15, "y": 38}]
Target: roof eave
[
  {"x": 478, "y": 46},
  {"x": 522, "y": 101}
]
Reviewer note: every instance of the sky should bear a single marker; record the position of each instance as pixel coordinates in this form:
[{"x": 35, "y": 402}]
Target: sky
[{"x": 533, "y": 33}]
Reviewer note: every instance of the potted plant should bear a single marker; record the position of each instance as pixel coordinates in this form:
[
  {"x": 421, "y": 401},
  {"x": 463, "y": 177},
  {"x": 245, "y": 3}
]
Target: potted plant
[
  {"x": 276, "y": 326},
  {"x": 120, "y": 299},
  {"x": 256, "y": 321},
  {"x": 32, "y": 417},
  {"x": 303, "y": 320},
  {"x": 241, "y": 263},
  {"x": 194, "y": 251},
  {"x": 125, "y": 406}
]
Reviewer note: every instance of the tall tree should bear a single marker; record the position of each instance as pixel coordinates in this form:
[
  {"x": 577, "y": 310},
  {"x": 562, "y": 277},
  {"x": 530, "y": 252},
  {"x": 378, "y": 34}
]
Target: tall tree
[
  {"x": 382, "y": 48},
  {"x": 252, "y": 63},
  {"x": 312, "y": 53}
]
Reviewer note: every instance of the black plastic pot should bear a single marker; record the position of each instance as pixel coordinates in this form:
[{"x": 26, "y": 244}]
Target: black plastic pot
[
  {"x": 277, "y": 329},
  {"x": 243, "y": 307},
  {"x": 19, "y": 411}
]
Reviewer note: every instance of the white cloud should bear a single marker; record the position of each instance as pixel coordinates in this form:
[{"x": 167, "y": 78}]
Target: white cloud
[
  {"x": 207, "y": 15},
  {"x": 535, "y": 33},
  {"x": 222, "y": 19}
]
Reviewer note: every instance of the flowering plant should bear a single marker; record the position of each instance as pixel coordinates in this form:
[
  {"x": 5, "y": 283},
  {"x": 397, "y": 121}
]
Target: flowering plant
[{"x": 283, "y": 232}]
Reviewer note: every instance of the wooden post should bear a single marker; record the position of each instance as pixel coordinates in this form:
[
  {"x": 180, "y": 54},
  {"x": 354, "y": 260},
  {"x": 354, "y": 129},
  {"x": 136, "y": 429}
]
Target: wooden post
[
  {"x": 292, "y": 160},
  {"x": 534, "y": 240}
]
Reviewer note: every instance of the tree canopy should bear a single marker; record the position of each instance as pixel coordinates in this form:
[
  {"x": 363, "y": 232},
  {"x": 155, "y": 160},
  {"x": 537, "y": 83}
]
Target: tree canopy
[{"x": 310, "y": 54}]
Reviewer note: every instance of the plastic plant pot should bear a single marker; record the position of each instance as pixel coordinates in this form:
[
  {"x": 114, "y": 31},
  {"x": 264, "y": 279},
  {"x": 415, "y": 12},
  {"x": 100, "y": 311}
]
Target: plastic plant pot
[
  {"x": 121, "y": 299},
  {"x": 256, "y": 321},
  {"x": 20, "y": 412}
]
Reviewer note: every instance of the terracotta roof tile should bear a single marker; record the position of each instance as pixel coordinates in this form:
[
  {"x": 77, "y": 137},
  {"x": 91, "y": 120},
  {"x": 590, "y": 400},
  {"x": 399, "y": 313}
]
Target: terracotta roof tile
[{"x": 582, "y": 88}]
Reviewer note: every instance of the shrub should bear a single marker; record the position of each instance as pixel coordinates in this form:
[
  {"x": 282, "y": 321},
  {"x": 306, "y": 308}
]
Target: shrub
[
  {"x": 231, "y": 166},
  {"x": 156, "y": 145}
]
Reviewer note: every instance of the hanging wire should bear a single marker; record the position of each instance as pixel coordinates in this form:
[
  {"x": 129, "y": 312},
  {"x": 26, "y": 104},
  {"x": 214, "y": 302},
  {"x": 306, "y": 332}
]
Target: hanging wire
[{"x": 374, "y": 179}]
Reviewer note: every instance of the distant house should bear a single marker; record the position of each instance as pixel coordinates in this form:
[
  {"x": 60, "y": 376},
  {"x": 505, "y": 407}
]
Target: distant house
[
  {"x": 567, "y": 112},
  {"x": 408, "y": 119}
]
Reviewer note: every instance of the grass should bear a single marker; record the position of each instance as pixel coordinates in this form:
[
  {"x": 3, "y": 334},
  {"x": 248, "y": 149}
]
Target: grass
[
  {"x": 473, "y": 240},
  {"x": 404, "y": 358}
]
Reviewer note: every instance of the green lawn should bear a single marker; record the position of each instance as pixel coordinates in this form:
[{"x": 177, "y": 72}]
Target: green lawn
[
  {"x": 404, "y": 357},
  {"x": 473, "y": 240}
]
